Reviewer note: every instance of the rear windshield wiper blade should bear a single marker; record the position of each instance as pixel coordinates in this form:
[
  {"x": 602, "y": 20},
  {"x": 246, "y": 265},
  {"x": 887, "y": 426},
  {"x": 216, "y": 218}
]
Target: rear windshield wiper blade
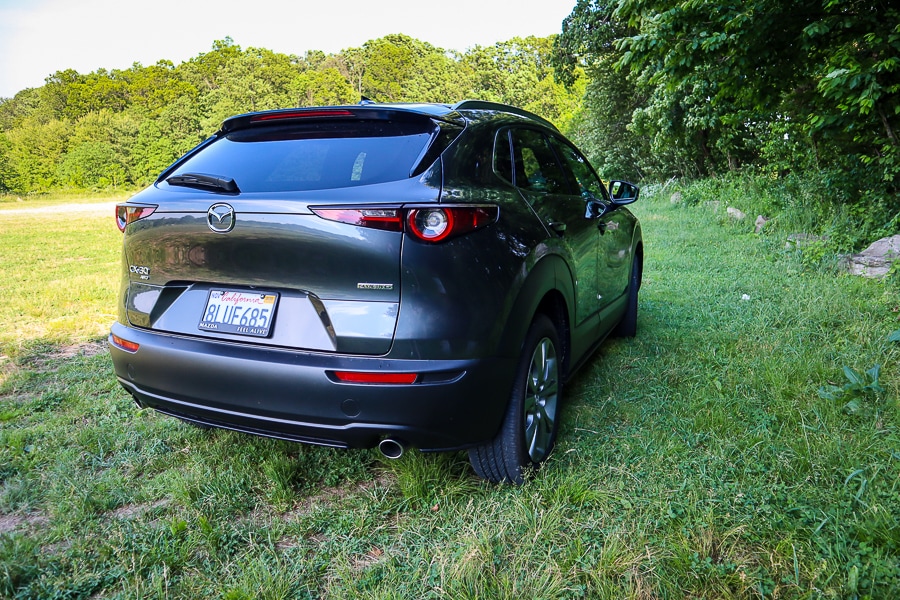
[{"x": 202, "y": 181}]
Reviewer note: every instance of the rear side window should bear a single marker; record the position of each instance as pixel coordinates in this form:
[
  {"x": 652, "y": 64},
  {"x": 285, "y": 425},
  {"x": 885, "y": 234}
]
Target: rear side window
[
  {"x": 315, "y": 156},
  {"x": 536, "y": 167},
  {"x": 503, "y": 156}
]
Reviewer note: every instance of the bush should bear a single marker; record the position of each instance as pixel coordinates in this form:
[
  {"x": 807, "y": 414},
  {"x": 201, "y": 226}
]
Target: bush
[{"x": 849, "y": 213}]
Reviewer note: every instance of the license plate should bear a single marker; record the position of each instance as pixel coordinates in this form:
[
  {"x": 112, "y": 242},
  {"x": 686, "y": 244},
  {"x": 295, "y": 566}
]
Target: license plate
[{"x": 243, "y": 313}]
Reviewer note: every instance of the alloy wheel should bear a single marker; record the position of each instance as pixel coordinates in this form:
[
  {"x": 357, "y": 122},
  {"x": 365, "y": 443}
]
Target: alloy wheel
[{"x": 541, "y": 399}]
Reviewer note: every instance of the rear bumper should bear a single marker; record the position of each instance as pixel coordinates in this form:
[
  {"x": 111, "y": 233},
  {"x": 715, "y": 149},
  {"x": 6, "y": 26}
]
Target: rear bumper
[{"x": 289, "y": 394}]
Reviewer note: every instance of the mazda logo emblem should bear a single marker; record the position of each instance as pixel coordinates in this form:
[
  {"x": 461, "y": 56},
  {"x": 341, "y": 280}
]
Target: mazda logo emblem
[{"x": 220, "y": 218}]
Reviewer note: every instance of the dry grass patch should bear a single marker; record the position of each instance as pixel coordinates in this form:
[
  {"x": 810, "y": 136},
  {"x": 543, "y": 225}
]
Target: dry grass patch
[{"x": 12, "y": 522}]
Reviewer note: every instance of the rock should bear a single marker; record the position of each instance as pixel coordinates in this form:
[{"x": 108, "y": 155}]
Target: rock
[
  {"x": 676, "y": 198},
  {"x": 795, "y": 241},
  {"x": 735, "y": 213},
  {"x": 876, "y": 260},
  {"x": 715, "y": 204},
  {"x": 761, "y": 223},
  {"x": 888, "y": 247}
]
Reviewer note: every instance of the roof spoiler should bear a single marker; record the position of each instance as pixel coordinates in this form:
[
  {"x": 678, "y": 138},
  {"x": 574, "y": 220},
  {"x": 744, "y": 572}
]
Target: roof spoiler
[
  {"x": 484, "y": 105},
  {"x": 364, "y": 111}
]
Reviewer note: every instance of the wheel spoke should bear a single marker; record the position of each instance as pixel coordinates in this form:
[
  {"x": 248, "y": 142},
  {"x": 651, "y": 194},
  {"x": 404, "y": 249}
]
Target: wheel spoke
[
  {"x": 532, "y": 433},
  {"x": 548, "y": 360},
  {"x": 550, "y": 389},
  {"x": 540, "y": 400}
]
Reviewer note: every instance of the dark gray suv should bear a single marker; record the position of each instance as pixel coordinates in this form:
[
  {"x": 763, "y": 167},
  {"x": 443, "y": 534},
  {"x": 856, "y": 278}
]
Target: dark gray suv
[{"x": 400, "y": 275}]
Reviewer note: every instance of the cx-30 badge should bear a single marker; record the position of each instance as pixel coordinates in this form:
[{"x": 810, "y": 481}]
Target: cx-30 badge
[{"x": 220, "y": 218}]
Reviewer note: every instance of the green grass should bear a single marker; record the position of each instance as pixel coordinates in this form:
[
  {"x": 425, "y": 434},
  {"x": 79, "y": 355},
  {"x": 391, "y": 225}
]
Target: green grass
[
  {"x": 697, "y": 460},
  {"x": 12, "y": 202},
  {"x": 58, "y": 276}
]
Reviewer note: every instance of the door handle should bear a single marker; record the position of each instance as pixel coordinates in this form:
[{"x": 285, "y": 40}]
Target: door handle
[{"x": 557, "y": 226}]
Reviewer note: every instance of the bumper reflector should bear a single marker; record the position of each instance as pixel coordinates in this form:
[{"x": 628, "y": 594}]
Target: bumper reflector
[
  {"x": 125, "y": 344},
  {"x": 382, "y": 378}
]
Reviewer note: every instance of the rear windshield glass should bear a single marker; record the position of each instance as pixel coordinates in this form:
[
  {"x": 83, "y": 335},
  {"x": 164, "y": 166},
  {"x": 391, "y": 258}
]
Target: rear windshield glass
[{"x": 314, "y": 156}]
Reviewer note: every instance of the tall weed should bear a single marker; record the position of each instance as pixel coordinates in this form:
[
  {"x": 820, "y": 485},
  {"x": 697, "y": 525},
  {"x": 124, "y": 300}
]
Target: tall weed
[{"x": 819, "y": 203}]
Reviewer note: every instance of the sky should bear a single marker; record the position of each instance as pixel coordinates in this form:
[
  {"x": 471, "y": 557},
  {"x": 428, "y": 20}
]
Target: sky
[{"x": 40, "y": 37}]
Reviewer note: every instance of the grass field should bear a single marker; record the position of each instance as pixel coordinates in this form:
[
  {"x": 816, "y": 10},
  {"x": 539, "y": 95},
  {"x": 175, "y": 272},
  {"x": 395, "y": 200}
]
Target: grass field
[
  {"x": 29, "y": 201},
  {"x": 707, "y": 458}
]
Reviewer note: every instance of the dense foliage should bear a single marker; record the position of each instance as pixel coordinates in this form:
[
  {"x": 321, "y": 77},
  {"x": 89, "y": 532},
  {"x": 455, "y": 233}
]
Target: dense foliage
[
  {"x": 696, "y": 88},
  {"x": 110, "y": 129}
]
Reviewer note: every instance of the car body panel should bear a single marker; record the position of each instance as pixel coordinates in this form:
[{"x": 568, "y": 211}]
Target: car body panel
[
  {"x": 288, "y": 394},
  {"x": 616, "y": 252}
]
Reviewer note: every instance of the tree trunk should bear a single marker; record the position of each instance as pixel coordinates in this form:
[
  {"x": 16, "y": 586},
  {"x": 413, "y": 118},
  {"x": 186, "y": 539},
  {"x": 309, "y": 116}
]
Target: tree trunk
[{"x": 887, "y": 124}]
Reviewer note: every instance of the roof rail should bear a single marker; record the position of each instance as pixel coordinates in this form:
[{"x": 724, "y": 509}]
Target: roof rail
[{"x": 485, "y": 105}]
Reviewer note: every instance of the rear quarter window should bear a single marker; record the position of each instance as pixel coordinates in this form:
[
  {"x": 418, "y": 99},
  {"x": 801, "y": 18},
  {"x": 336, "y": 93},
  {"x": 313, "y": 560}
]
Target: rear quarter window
[
  {"x": 536, "y": 167},
  {"x": 503, "y": 156},
  {"x": 314, "y": 156}
]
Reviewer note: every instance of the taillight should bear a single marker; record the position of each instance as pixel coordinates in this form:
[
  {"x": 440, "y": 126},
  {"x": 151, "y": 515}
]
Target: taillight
[
  {"x": 439, "y": 223},
  {"x": 430, "y": 224},
  {"x": 127, "y": 214},
  {"x": 388, "y": 219},
  {"x": 375, "y": 378},
  {"x": 125, "y": 344},
  {"x": 424, "y": 223}
]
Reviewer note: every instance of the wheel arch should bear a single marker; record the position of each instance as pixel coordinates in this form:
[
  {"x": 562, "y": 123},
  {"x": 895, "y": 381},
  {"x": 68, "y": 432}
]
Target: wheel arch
[
  {"x": 548, "y": 290},
  {"x": 553, "y": 305}
]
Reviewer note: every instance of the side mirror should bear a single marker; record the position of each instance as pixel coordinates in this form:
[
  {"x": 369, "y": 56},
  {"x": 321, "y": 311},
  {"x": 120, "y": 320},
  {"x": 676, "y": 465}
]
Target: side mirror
[{"x": 623, "y": 193}]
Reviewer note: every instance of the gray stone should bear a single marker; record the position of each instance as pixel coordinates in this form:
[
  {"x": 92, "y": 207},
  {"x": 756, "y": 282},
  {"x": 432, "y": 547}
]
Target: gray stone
[
  {"x": 761, "y": 223},
  {"x": 876, "y": 260},
  {"x": 736, "y": 213},
  {"x": 676, "y": 198}
]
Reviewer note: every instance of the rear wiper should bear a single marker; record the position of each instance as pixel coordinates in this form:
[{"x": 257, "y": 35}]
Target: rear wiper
[{"x": 212, "y": 183}]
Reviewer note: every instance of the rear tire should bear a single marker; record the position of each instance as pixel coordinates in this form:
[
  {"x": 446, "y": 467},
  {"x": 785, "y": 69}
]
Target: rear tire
[
  {"x": 627, "y": 327},
  {"x": 529, "y": 428}
]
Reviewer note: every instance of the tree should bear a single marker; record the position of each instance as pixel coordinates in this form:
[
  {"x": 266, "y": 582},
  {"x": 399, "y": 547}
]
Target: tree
[
  {"x": 161, "y": 141},
  {"x": 398, "y": 68},
  {"x": 153, "y": 88},
  {"x": 91, "y": 165},
  {"x": 322, "y": 88},
  {"x": 87, "y": 130},
  {"x": 21, "y": 106},
  {"x": 99, "y": 151},
  {"x": 608, "y": 127},
  {"x": 54, "y": 94},
  {"x": 6, "y": 171},
  {"x": 602, "y": 127},
  {"x": 833, "y": 65},
  {"x": 520, "y": 72},
  {"x": 35, "y": 149},
  {"x": 725, "y": 84},
  {"x": 206, "y": 70},
  {"x": 858, "y": 77},
  {"x": 256, "y": 79}
]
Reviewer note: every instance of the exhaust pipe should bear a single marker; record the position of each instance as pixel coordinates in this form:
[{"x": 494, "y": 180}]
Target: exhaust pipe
[{"x": 391, "y": 448}]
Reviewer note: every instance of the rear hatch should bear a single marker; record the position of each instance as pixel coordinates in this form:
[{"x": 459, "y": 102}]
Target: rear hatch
[{"x": 283, "y": 229}]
